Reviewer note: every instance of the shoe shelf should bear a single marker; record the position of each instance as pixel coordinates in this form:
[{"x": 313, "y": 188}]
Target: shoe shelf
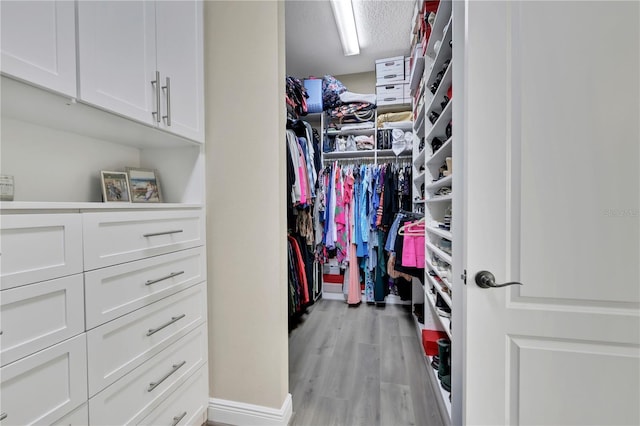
[
  {"x": 443, "y": 55},
  {"x": 419, "y": 326},
  {"x": 440, "y": 198},
  {"x": 416, "y": 74},
  {"x": 442, "y": 320},
  {"x": 439, "y": 128},
  {"x": 445, "y": 181},
  {"x": 438, "y": 287},
  {"x": 419, "y": 123},
  {"x": 440, "y": 232},
  {"x": 443, "y": 16},
  {"x": 434, "y": 377},
  {"x": 436, "y": 98},
  {"x": 441, "y": 154},
  {"x": 419, "y": 160},
  {"x": 419, "y": 178},
  {"x": 441, "y": 254},
  {"x": 438, "y": 272}
]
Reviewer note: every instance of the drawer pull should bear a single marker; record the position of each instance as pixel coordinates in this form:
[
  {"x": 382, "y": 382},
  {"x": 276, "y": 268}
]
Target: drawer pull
[
  {"x": 173, "y": 319},
  {"x": 174, "y": 368},
  {"x": 171, "y": 275},
  {"x": 177, "y": 419},
  {"x": 391, "y": 76},
  {"x": 155, "y": 234},
  {"x": 3, "y": 416}
]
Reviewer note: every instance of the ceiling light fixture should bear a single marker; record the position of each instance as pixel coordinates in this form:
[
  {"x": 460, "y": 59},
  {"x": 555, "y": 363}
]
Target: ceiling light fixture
[{"x": 343, "y": 14}]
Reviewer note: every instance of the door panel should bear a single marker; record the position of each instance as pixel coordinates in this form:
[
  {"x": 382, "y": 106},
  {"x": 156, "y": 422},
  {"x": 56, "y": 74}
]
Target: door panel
[
  {"x": 552, "y": 200},
  {"x": 117, "y": 56}
]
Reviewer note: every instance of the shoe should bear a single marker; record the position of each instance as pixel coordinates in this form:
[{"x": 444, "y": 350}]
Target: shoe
[
  {"x": 448, "y": 131},
  {"x": 444, "y": 354},
  {"x": 435, "y": 362},
  {"x": 445, "y": 382},
  {"x": 433, "y": 116}
]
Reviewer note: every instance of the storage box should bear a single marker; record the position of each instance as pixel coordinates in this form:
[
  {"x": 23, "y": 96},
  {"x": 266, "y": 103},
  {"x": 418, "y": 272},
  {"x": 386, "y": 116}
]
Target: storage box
[
  {"x": 430, "y": 341},
  {"x": 390, "y": 94},
  {"x": 314, "y": 90},
  {"x": 389, "y": 70}
]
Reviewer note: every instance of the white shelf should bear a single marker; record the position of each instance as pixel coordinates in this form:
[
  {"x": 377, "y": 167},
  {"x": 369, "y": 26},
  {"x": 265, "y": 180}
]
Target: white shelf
[
  {"x": 419, "y": 327},
  {"x": 399, "y": 107},
  {"x": 365, "y": 153},
  {"x": 440, "y": 232},
  {"x": 416, "y": 73},
  {"x": 441, "y": 254},
  {"x": 438, "y": 97},
  {"x": 15, "y": 206},
  {"x": 421, "y": 201},
  {"x": 439, "y": 127},
  {"x": 418, "y": 179},
  {"x": 444, "y": 54},
  {"x": 443, "y": 15},
  {"x": 441, "y": 154},
  {"x": 434, "y": 269},
  {"x": 356, "y": 132},
  {"x": 440, "y": 199},
  {"x": 445, "y": 181},
  {"x": 443, "y": 321},
  {"x": 444, "y": 393},
  {"x": 419, "y": 125},
  {"x": 438, "y": 288},
  {"x": 419, "y": 160}
]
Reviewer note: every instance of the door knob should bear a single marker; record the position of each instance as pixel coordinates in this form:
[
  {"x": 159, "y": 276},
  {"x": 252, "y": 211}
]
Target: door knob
[{"x": 486, "y": 279}]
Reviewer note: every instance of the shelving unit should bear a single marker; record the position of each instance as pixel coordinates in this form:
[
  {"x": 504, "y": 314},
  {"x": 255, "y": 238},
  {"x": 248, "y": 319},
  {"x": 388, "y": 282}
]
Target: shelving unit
[{"x": 437, "y": 65}]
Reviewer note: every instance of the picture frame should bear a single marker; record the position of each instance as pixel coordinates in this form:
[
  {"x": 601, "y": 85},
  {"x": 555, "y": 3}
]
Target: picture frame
[
  {"x": 115, "y": 187},
  {"x": 144, "y": 185}
]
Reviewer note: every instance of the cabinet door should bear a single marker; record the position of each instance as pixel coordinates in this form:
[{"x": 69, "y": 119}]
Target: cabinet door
[
  {"x": 116, "y": 55},
  {"x": 39, "y": 43},
  {"x": 180, "y": 59}
]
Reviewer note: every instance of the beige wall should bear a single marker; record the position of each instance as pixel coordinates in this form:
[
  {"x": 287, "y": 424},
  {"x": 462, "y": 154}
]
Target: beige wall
[
  {"x": 363, "y": 82},
  {"x": 246, "y": 221}
]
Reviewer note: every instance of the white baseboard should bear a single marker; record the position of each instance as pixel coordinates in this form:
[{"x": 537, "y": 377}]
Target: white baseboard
[{"x": 240, "y": 413}]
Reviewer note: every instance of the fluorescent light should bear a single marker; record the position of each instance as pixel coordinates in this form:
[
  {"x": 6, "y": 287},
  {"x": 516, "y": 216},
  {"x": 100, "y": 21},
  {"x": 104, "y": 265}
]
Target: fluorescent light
[{"x": 343, "y": 13}]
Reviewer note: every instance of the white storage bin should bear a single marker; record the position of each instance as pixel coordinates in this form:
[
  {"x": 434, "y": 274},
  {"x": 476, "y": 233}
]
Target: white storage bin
[
  {"x": 390, "y": 94},
  {"x": 389, "y": 70}
]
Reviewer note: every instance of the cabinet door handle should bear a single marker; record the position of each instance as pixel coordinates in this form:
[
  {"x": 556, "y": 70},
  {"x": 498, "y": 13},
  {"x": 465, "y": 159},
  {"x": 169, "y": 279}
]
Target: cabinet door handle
[
  {"x": 156, "y": 84},
  {"x": 155, "y": 234},
  {"x": 3, "y": 416},
  {"x": 177, "y": 419},
  {"x": 167, "y": 89},
  {"x": 174, "y": 368},
  {"x": 167, "y": 324},
  {"x": 391, "y": 76},
  {"x": 171, "y": 275}
]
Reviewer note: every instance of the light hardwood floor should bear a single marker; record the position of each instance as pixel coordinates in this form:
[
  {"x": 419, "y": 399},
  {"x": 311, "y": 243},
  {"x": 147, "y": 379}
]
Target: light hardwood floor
[{"x": 359, "y": 366}]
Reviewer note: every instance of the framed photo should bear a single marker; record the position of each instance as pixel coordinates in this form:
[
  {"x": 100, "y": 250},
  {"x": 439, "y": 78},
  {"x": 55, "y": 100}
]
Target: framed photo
[
  {"x": 115, "y": 187},
  {"x": 145, "y": 186}
]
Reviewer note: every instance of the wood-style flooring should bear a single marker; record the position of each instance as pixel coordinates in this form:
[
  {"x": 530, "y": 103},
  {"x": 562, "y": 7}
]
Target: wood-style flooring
[{"x": 359, "y": 366}]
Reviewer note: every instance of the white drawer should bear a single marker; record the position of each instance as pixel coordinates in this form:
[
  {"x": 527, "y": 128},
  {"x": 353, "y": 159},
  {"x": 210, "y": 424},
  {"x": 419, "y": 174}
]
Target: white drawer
[
  {"x": 119, "y": 346},
  {"x": 133, "y": 397},
  {"x": 187, "y": 405},
  {"x": 390, "y": 94},
  {"x": 37, "y": 316},
  {"x": 390, "y": 70},
  {"x": 78, "y": 417},
  {"x": 117, "y": 290},
  {"x": 45, "y": 386},
  {"x": 117, "y": 237},
  {"x": 39, "y": 247}
]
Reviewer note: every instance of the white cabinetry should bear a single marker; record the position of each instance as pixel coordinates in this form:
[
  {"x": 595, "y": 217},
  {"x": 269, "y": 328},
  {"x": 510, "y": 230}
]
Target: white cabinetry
[
  {"x": 143, "y": 60},
  {"x": 39, "y": 43}
]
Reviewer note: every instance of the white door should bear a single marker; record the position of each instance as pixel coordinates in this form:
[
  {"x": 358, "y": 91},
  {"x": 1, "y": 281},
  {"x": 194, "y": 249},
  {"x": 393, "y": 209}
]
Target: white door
[
  {"x": 552, "y": 188},
  {"x": 180, "y": 56},
  {"x": 39, "y": 43},
  {"x": 117, "y": 57}
]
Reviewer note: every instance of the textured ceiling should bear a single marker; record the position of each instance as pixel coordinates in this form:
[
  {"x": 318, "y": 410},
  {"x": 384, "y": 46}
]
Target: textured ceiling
[{"x": 313, "y": 46}]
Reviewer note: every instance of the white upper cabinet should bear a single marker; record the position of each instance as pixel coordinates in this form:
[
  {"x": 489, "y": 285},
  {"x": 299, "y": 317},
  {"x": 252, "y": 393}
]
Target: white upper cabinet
[
  {"x": 180, "y": 60},
  {"x": 144, "y": 60},
  {"x": 39, "y": 43},
  {"x": 117, "y": 57}
]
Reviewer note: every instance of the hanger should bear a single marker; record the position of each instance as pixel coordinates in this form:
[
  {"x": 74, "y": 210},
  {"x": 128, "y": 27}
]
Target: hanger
[{"x": 407, "y": 230}]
